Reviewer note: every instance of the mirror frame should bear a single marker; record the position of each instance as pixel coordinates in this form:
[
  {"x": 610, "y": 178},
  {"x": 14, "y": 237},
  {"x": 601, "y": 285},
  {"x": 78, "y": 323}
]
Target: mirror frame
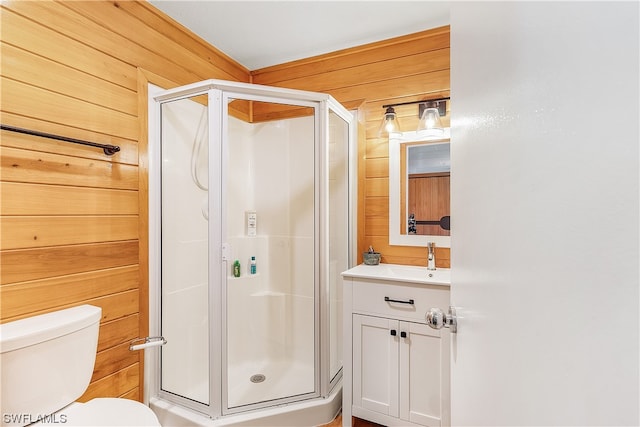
[{"x": 395, "y": 238}]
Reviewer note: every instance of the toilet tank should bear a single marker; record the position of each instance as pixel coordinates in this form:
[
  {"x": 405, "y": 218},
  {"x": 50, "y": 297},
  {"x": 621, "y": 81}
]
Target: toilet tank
[{"x": 46, "y": 362}]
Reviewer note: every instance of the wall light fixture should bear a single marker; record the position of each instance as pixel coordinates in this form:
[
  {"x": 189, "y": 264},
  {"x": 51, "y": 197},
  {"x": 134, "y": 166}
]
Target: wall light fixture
[
  {"x": 429, "y": 112},
  {"x": 390, "y": 125}
]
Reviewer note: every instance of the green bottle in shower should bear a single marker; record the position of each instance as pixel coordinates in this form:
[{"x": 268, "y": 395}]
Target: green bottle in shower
[{"x": 236, "y": 268}]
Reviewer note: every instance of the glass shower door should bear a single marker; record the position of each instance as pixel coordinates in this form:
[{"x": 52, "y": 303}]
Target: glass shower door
[
  {"x": 339, "y": 231},
  {"x": 184, "y": 249},
  {"x": 271, "y": 226}
]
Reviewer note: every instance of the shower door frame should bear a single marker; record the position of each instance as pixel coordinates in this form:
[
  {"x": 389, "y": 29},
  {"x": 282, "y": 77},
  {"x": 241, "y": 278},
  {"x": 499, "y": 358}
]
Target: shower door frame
[
  {"x": 153, "y": 372},
  {"x": 227, "y": 97},
  {"x": 217, "y": 92},
  {"x": 327, "y": 383}
]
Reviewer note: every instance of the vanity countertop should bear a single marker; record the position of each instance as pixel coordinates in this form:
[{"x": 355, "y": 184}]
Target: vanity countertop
[{"x": 401, "y": 273}]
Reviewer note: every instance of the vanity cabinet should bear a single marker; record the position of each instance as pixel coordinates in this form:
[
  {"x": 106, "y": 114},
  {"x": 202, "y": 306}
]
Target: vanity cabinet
[{"x": 396, "y": 367}]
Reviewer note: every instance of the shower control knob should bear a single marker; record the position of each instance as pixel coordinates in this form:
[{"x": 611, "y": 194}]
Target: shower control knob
[{"x": 436, "y": 319}]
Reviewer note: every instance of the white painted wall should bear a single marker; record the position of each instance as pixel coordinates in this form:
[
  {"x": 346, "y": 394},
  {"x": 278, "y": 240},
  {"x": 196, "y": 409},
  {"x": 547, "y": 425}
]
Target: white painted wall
[{"x": 545, "y": 213}]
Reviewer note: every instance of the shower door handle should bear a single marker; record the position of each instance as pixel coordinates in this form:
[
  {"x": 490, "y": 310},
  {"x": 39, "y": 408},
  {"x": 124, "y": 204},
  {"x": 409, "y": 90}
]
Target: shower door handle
[{"x": 146, "y": 343}]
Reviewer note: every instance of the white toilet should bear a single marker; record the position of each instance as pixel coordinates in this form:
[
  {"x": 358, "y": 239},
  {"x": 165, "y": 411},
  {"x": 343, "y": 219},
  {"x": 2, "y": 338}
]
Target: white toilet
[{"x": 46, "y": 363}]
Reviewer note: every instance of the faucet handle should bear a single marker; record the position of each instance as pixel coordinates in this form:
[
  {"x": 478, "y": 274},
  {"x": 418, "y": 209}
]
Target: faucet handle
[{"x": 431, "y": 256}]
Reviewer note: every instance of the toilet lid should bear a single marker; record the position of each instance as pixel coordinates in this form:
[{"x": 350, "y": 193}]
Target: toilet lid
[{"x": 108, "y": 412}]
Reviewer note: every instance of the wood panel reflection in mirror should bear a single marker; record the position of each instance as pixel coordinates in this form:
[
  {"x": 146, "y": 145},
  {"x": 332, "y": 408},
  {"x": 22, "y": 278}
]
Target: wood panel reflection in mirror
[
  {"x": 419, "y": 180},
  {"x": 426, "y": 183}
]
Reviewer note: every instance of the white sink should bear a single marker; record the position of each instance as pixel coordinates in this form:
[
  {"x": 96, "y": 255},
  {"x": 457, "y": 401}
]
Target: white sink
[{"x": 401, "y": 273}]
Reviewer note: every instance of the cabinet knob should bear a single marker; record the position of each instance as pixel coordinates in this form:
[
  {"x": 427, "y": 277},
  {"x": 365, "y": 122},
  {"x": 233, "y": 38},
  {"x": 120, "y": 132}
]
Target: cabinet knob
[
  {"x": 437, "y": 319},
  {"x": 393, "y": 332},
  {"x": 403, "y": 334}
]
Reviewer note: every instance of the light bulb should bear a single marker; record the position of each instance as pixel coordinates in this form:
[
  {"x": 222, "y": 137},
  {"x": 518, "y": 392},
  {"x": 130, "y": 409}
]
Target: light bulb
[
  {"x": 390, "y": 124},
  {"x": 430, "y": 124}
]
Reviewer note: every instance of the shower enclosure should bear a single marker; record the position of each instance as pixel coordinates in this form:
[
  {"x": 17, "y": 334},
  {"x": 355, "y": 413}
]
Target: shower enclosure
[{"x": 256, "y": 179}]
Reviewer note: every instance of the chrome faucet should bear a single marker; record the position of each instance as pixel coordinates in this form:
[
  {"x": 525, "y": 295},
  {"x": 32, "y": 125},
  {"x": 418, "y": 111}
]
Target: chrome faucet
[{"x": 431, "y": 256}]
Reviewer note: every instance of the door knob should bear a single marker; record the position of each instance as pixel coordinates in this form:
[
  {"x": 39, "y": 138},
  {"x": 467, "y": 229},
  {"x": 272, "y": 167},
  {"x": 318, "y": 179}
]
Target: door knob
[{"x": 437, "y": 319}]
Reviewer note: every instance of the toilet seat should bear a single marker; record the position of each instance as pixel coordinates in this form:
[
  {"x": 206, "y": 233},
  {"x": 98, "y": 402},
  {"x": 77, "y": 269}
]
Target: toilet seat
[{"x": 107, "y": 412}]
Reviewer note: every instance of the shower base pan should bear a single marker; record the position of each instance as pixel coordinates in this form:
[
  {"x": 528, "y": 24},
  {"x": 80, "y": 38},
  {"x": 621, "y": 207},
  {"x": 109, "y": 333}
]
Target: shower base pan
[{"x": 311, "y": 412}]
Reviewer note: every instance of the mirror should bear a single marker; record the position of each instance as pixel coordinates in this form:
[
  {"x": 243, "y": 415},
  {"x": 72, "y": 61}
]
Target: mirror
[{"x": 419, "y": 170}]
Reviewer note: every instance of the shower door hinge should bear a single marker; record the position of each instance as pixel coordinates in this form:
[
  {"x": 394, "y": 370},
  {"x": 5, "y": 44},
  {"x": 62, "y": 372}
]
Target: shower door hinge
[{"x": 226, "y": 252}]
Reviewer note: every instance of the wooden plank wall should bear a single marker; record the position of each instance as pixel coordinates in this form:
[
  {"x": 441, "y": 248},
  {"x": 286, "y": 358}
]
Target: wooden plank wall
[
  {"x": 73, "y": 221},
  {"x": 403, "y": 69}
]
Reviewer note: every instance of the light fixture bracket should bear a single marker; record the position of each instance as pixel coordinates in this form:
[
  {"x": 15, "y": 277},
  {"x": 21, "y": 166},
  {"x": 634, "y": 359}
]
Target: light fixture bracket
[{"x": 440, "y": 104}]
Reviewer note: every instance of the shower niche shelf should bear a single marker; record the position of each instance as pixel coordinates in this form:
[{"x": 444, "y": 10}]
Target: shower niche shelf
[
  {"x": 268, "y": 294},
  {"x": 244, "y": 276}
]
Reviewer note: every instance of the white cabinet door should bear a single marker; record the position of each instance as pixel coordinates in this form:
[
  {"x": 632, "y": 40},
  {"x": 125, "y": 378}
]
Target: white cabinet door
[
  {"x": 401, "y": 369},
  {"x": 375, "y": 364},
  {"x": 424, "y": 375}
]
